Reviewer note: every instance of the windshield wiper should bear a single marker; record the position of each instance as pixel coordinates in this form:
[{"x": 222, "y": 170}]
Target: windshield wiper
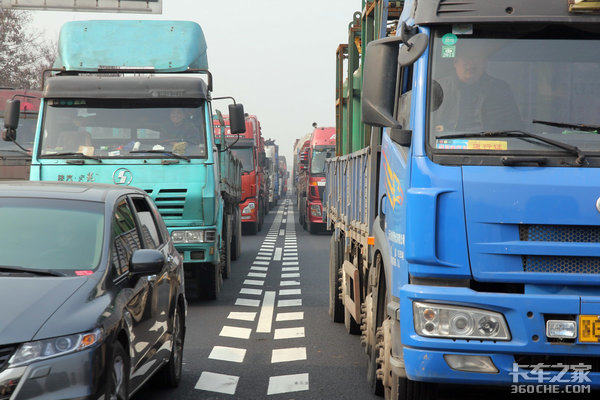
[
  {"x": 169, "y": 153},
  {"x": 579, "y": 127},
  {"x": 521, "y": 134},
  {"x": 72, "y": 153},
  {"x": 21, "y": 270}
]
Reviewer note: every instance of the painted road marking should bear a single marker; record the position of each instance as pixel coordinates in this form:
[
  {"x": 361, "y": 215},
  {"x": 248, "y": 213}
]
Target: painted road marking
[
  {"x": 242, "y": 316},
  {"x": 255, "y": 268},
  {"x": 289, "y": 316},
  {"x": 289, "y": 333},
  {"x": 289, "y": 283},
  {"x": 256, "y": 275},
  {"x": 287, "y": 383},
  {"x": 253, "y": 282},
  {"x": 261, "y": 262},
  {"x": 289, "y": 303},
  {"x": 291, "y": 275},
  {"x": 231, "y": 354},
  {"x": 277, "y": 255},
  {"x": 247, "y": 302},
  {"x": 235, "y": 332},
  {"x": 289, "y": 354},
  {"x": 265, "y": 318},
  {"x": 288, "y": 292},
  {"x": 217, "y": 382},
  {"x": 289, "y": 269},
  {"x": 263, "y": 258},
  {"x": 282, "y": 232},
  {"x": 290, "y": 263}
]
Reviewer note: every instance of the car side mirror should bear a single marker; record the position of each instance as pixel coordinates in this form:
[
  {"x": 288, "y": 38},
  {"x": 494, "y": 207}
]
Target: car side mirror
[
  {"x": 11, "y": 120},
  {"x": 237, "y": 119},
  {"x": 146, "y": 262},
  {"x": 383, "y": 58}
]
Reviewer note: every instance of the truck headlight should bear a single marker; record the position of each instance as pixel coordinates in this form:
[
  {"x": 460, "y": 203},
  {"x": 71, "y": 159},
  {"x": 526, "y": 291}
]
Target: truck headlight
[
  {"x": 248, "y": 209},
  {"x": 315, "y": 210},
  {"x": 42, "y": 349},
  {"x": 188, "y": 236},
  {"x": 445, "y": 321}
]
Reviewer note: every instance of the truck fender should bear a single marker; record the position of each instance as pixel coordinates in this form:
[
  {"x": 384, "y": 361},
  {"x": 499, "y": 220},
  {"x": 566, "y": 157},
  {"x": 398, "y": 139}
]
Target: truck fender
[{"x": 381, "y": 246}]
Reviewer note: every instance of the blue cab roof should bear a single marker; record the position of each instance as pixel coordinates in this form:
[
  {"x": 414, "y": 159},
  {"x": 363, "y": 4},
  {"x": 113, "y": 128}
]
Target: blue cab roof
[{"x": 166, "y": 46}]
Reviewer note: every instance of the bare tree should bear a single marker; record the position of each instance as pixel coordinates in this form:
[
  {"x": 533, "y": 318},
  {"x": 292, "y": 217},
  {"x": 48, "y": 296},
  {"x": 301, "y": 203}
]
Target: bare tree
[{"x": 24, "y": 53}]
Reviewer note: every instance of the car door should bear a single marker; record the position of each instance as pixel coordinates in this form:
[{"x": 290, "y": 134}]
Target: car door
[
  {"x": 139, "y": 312},
  {"x": 163, "y": 295}
]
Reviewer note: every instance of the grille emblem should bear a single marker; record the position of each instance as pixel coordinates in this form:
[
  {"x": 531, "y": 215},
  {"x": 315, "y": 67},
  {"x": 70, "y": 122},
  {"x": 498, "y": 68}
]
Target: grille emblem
[{"x": 122, "y": 176}]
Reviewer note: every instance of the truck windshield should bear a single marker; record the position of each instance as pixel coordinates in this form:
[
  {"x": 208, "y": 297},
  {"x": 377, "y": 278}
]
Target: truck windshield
[
  {"x": 60, "y": 245},
  {"x": 543, "y": 80},
  {"x": 123, "y": 129},
  {"x": 245, "y": 155},
  {"x": 319, "y": 155},
  {"x": 25, "y": 134}
]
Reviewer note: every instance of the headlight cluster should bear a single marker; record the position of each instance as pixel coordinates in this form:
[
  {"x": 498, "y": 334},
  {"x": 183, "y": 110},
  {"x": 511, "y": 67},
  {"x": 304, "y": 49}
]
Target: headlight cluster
[
  {"x": 193, "y": 236},
  {"x": 436, "y": 320},
  {"x": 248, "y": 209},
  {"x": 315, "y": 210},
  {"x": 42, "y": 349}
]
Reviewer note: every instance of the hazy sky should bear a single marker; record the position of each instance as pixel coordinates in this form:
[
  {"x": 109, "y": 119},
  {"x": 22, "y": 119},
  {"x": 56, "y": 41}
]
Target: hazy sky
[{"x": 275, "y": 57}]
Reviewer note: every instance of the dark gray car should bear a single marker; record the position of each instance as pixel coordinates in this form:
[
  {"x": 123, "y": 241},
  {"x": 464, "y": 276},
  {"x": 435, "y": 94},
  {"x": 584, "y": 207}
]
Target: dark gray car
[{"x": 91, "y": 292}]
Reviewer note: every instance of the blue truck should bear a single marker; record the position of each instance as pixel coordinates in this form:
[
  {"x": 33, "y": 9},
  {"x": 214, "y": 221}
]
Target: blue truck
[
  {"x": 465, "y": 205},
  {"x": 127, "y": 103}
]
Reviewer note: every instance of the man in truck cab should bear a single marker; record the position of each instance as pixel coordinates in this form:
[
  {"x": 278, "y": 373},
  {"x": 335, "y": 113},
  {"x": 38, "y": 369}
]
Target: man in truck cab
[{"x": 469, "y": 99}]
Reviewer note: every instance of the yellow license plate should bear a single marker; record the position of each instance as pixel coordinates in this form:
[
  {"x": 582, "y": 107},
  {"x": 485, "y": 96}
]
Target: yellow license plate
[{"x": 589, "y": 328}]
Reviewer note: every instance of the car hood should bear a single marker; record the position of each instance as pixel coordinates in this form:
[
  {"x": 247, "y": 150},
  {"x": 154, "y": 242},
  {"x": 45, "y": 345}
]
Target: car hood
[{"x": 27, "y": 303}]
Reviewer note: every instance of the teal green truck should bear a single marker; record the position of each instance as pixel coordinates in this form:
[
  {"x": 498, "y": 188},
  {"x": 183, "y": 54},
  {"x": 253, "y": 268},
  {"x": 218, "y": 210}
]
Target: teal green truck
[{"x": 129, "y": 103}]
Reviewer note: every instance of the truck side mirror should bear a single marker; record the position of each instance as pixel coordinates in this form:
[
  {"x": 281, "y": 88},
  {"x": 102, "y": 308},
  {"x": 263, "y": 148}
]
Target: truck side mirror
[
  {"x": 11, "y": 120},
  {"x": 383, "y": 57},
  {"x": 237, "y": 119}
]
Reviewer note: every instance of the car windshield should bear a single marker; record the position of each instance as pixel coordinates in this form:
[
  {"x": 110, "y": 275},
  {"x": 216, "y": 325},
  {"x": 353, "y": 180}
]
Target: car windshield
[
  {"x": 319, "y": 155},
  {"x": 535, "y": 79},
  {"x": 117, "y": 128},
  {"x": 244, "y": 154},
  {"x": 40, "y": 234},
  {"x": 25, "y": 133}
]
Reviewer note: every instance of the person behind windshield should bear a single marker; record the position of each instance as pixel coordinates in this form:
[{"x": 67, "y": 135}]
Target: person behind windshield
[
  {"x": 180, "y": 128},
  {"x": 471, "y": 100}
]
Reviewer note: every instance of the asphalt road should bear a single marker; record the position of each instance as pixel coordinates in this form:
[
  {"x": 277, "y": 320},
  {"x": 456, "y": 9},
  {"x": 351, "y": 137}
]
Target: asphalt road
[{"x": 269, "y": 335}]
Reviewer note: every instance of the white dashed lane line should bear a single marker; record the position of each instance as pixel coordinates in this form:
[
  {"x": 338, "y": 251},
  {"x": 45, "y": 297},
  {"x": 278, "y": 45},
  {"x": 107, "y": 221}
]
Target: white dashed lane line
[
  {"x": 231, "y": 354},
  {"x": 219, "y": 383},
  {"x": 287, "y": 383}
]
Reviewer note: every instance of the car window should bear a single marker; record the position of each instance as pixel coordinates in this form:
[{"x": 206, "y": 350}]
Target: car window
[
  {"x": 150, "y": 234},
  {"x": 125, "y": 237}
]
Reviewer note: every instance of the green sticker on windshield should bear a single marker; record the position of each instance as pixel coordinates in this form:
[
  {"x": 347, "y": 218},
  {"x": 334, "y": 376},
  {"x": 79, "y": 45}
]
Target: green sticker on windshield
[
  {"x": 448, "y": 51},
  {"x": 449, "y": 39}
]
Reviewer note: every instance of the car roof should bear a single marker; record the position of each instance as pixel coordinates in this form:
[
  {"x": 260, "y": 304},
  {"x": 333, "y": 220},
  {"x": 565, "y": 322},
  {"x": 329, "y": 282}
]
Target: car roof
[{"x": 97, "y": 192}]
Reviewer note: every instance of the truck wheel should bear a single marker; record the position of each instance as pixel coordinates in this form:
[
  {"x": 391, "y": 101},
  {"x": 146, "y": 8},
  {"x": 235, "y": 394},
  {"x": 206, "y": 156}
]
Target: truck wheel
[
  {"x": 261, "y": 217},
  {"x": 405, "y": 389},
  {"x": 236, "y": 237},
  {"x": 210, "y": 281},
  {"x": 252, "y": 228},
  {"x": 336, "y": 307},
  {"x": 226, "y": 259},
  {"x": 351, "y": 326},
  {"x": 373, "y": 326}
]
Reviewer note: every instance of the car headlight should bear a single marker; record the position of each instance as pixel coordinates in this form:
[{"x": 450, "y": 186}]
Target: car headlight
[
  {"x": 42, "y": 349},
  {"x": 445, "y": 321},
  {"x": 248, "y": 209},
  {"x": 191, "y": 236}
]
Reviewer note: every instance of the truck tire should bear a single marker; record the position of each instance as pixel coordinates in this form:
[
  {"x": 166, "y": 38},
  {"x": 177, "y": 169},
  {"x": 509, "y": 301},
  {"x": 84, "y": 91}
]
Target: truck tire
[
  {"x": 352, "y": 327},
  {"x": 377, "y": 315},
  {"x": 236, "y": 236},
  {"x": 405, "y": 389},
  {"x": 226, "y": 256},
  {"x": 210, "y": 281},
  {"x": 336, "y": 307}
]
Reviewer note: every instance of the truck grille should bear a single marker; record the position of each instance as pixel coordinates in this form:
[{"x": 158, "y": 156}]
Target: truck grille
[
  {"x": 455, "y": 6},
  {"x": 564, "y": 234},
  {"x": 560, "y": 233},
  {"x": 170, "y": 202},
  {"x": 6, "y": 353}
]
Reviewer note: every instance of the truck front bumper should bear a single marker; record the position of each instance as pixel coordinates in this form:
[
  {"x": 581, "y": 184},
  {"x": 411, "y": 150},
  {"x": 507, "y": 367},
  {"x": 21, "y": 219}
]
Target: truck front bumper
[
  {"x": 528, "y": 358},
  {"x": 249, "y": 212}
]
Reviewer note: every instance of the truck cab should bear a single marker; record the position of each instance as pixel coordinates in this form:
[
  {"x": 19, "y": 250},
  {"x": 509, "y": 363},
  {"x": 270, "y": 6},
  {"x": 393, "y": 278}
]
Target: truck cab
[{"x": 119, "y": 115}]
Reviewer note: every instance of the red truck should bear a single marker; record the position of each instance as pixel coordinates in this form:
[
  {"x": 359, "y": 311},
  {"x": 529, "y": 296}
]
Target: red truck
[
  {"x": 249, "y": 148},
  {"x": 15, "y": 161},
  {"x": 311, "y": 178}
]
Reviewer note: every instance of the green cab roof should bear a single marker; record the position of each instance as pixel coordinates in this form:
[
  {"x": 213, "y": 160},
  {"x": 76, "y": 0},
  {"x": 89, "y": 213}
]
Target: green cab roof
[{"x": 165, "y": 46}]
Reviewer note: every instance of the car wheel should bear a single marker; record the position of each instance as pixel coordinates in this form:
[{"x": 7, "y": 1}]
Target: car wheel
[
  {"x": 117, "y": 378},
  {"x": 169, "y": 375}
]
